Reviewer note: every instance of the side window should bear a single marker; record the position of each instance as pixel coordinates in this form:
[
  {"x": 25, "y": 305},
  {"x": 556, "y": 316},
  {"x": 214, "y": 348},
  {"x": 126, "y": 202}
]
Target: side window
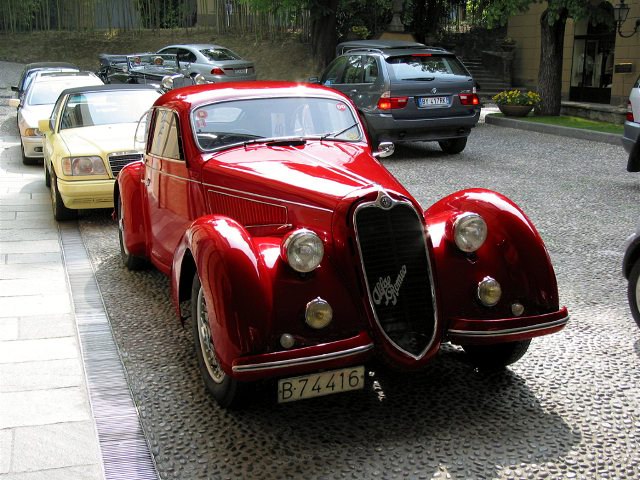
[
  {"x": 186, "y": 56},
  {"x": 353, "y": 72},
  {"x": 333, "y": 72},
  {"x": 166, "y": 137},
  {"x": 370, "y": 70},
  {"x": 168, "y": 50}
]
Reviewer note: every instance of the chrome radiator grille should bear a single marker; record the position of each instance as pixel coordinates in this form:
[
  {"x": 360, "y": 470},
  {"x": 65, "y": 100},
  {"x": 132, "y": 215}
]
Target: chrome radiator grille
[
  {"x": 396, "y": 269},
  {"x": 118, "y": 161}
]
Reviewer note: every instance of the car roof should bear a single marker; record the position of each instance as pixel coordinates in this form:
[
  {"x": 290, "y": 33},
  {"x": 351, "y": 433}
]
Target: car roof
[
  {"x": 38, "y": 65},
  {"x": 183, "y": 99},
  {"x": 388, "y": 47},
  {"x": 197, "y": 46},
  {"x": 55, "y": 75},
  {"x": 107, "y": 88}
]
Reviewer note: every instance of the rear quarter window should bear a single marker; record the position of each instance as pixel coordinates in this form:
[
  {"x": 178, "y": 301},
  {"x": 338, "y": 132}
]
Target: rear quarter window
[{"x": 417, "y": 66}]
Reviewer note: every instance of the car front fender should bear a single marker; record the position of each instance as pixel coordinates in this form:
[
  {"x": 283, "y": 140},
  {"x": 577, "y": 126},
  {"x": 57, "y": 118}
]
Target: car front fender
[
  {"x": 236, "y": 282},
  {"x": 513, "y": 254},
  {"x": 129, "y": 188}
]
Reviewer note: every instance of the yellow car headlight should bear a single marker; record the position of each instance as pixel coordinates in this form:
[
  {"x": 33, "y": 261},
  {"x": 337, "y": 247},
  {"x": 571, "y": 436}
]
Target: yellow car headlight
[
  {"x": 32, "y": 132},
  {"x": 81, "y": 166}
]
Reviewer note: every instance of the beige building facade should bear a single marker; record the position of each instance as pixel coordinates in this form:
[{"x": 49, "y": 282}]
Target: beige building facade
[{"x": 599, "y": 65}]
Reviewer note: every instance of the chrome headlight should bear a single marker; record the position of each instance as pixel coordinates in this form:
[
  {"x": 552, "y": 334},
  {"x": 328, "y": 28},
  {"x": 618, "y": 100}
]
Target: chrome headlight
[
  {"x": 470, "y": 232},
  {"x": 489, "y": 291},
  {"x": 318, "y": 313},
  {"x": 302, "y": 250},
  {"x": 80, "y": 166},
  {"x": 199, "y": 79},
  {"x": 167, "y": 82}
]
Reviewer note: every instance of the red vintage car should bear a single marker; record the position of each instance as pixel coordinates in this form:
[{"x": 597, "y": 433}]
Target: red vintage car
[{"x": 303, "y": 257}]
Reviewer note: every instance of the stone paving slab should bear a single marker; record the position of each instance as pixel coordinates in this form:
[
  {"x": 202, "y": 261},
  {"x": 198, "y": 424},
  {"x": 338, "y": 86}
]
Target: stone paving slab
[
  {"x": 38, "y": 350},
  {"x": 43, "y": 407},
  {"x": 41, "y": 375}
]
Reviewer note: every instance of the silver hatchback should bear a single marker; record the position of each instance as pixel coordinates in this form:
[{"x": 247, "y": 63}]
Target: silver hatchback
[
  {"x": 631, "y": 136},
  {"x": 408, "y": 92},
  {"x": 214, "y": 62}
]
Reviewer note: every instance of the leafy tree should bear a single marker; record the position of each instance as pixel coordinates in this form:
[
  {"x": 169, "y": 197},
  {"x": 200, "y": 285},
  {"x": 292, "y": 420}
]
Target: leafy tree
[{"x": 552, "y": 27}]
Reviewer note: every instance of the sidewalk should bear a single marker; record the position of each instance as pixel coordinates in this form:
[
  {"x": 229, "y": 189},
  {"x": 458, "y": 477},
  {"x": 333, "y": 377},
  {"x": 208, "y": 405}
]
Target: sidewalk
[{"x": 47, "y": 430}]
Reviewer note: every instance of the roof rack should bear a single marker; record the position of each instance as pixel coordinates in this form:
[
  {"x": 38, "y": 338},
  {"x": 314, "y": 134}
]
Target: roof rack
[{"x": 398, "y": 48}]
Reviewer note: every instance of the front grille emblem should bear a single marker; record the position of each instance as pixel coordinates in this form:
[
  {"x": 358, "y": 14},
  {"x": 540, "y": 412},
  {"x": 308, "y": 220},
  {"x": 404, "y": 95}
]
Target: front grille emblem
[
  {"x": 387, "y": 291},
  {"x": 434, "y": 90},
  {"x": 384, "y": 201}
]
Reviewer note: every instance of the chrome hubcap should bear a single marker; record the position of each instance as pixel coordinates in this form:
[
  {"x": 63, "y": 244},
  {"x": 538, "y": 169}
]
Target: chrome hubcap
[{"x": 206, "y": 343}]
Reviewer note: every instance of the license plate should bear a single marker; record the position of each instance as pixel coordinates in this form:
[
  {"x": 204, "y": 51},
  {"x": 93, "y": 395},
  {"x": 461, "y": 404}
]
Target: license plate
[
  {"x": 241, "y": 71},
  {"x": 320, "y": 384},
  {"x": 432, "y": 101}
]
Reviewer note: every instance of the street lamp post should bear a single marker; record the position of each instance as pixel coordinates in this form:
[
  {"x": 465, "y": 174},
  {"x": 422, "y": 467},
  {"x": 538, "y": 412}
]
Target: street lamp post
[{"x": 620, "y": 13}]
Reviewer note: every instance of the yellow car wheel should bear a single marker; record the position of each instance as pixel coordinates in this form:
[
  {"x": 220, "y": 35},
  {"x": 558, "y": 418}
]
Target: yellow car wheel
[{"x": 60, "y": 212}]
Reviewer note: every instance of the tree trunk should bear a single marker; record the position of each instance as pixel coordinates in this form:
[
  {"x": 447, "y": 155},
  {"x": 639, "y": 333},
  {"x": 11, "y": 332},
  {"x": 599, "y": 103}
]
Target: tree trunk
[
  {"x": 550, "y": 72},
  {"x": 323, "y": 30}
]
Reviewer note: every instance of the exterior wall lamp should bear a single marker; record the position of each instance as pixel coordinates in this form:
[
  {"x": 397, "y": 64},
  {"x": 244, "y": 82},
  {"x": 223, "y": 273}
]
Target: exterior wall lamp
[{"x": 620, "y": 13}]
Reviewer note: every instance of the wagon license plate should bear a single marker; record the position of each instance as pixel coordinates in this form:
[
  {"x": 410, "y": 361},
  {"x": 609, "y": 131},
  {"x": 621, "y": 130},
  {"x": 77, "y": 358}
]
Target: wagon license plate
[
  {"x": 319, "y": 384},
  {"x": 432, "y": 101}
]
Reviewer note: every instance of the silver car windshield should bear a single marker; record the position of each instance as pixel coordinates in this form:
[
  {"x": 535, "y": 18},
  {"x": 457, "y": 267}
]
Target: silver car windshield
[{"x": 221, "y": 125}]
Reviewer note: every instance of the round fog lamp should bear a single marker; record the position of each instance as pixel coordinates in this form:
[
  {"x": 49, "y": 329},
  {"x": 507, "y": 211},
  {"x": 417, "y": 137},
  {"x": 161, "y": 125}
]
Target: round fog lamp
[
  {"x": 287, "y": 340},
  {"x": 517, "y": 309},
  {"x": 470, "y": 232},
  {"x": 489, "y": 291},
  {"x": 318, "y": 313}
]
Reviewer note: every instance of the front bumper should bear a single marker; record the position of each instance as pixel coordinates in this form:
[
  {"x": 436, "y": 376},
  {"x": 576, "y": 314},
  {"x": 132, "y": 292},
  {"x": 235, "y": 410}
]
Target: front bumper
[
  {"x": 32, "y": 147},
  {"x": 341, "y": 353},
  {"x": 384, "y": 127},
  {"x": 479, "y": 332},
  {"x": 85, "y": 194}
]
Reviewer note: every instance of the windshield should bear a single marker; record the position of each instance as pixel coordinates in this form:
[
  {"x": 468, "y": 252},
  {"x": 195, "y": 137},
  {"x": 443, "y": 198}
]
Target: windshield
[
  {"x": 46, "y": 90},
  {"x": 424, "y": 65},
  {"x": 102, "y": 108},
  {"x": 222, "y": 124},
  {"x": 219, "y": 54},
  {"x": 155, "y": 60}
]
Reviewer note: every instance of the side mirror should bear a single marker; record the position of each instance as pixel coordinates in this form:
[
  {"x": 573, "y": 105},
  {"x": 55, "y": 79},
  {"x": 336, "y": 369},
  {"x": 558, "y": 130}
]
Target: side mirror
[
  {"x": 14, "y": 88},
  {"x": 44, "y": 125},
  {"x": 385, "y": 149},
  {"x": 14, "y": 102}
]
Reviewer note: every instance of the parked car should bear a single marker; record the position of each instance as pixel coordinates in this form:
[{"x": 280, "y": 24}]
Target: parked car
[
  {"x": 632, "y": 129},
  {"x": 303, "y": 257},
  {"x": 37, "y": 103},
  {"x": 87, "y": 140},
  {"x": 214, "y": 62},
  {"x": 407, "y": 93},
  {"x": 158, "y": 70},
  {"x": 31, "y": 69}
]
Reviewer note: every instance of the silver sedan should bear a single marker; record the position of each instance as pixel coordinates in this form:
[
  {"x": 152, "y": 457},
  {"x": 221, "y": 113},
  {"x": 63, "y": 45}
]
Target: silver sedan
[{"x": 214, "y": 62}]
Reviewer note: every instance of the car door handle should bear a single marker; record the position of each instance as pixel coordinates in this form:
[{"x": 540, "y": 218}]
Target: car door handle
[{"x": 147, "y": 182}]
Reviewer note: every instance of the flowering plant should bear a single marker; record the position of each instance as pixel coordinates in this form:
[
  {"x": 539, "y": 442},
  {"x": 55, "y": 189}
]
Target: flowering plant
[{"x": 517, "y": 97}]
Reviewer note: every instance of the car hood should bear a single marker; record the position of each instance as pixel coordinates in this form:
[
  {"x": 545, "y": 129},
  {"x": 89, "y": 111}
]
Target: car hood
[
  {"x": 317, "y": 173},
  {"x": 99, "y": 140},
  {"x": 32, "y": 114}
]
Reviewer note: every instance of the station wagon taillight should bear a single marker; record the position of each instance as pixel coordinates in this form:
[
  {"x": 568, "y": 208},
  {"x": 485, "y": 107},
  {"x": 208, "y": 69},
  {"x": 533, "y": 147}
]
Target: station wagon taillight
[
  {"x": 629, "y": 112},
  {"x": 217, "y": 71},
  {"x": 387, "y": 102},
  {"x": 469, "y": 99}
]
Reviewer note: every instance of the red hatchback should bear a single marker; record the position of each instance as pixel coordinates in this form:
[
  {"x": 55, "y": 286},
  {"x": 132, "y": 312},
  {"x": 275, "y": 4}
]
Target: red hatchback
[{"x": 302, "y": 257}]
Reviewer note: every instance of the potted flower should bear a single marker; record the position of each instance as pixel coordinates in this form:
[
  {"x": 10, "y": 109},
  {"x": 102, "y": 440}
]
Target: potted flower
[{"x": 516, "y": 103}]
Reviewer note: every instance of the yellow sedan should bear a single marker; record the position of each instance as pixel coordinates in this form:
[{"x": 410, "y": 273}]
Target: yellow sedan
[{"x": 87, "y": 140}]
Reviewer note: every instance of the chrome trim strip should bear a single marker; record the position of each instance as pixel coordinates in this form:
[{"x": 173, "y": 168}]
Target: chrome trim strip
[
  {"x": 377, "y": 203},
  {"x": 509, "y": 331},
  {"x": 246, "y": 198},
  {"x": 295, "y": 362}
]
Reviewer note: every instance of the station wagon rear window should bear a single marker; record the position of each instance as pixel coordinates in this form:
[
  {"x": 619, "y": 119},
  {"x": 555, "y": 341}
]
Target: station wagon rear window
[
  {"x": 424, "y": 66},
  {"x": 223, "y": 124}
]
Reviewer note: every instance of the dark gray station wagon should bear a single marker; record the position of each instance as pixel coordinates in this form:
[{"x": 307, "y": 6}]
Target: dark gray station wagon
[{"x": 408, "y": 93}]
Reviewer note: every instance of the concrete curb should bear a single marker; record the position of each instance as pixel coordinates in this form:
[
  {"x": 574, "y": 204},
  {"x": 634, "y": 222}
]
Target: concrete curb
[{"x": 578, "y": 133}]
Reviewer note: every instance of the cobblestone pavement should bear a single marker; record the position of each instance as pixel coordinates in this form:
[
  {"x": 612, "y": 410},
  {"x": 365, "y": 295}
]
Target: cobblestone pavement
[{"x": 569, "y": 409}]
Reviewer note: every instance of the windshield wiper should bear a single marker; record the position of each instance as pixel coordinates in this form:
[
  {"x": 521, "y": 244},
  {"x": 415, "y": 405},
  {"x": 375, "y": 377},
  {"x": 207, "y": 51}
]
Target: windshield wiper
[
  {"x": 275, "y": 141},
  {"x": 337, "y": 134}
]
